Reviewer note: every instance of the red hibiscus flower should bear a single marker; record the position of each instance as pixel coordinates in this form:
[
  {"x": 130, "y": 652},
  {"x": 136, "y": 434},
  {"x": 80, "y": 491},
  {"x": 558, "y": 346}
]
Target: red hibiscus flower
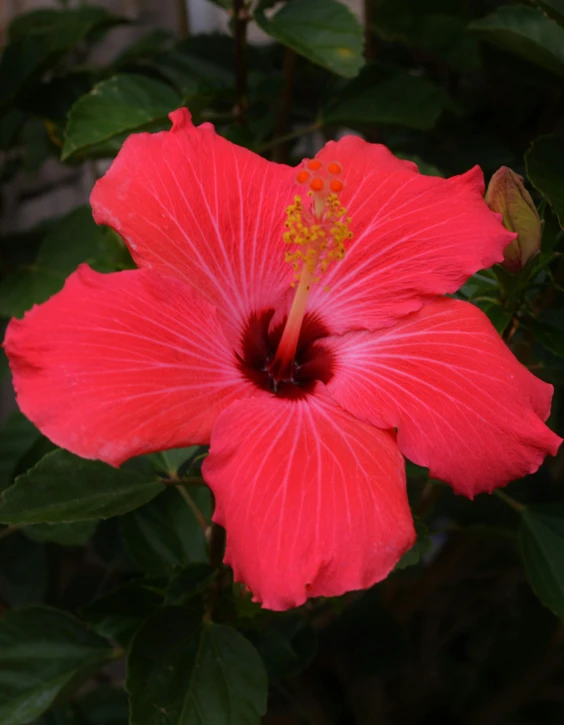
[{"x": 294, "y": 320}]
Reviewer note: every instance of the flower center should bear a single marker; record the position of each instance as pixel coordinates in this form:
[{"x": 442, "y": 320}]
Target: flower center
[
  {"x": 316, "y": 231},
  {"x": 312, "y": 362}
]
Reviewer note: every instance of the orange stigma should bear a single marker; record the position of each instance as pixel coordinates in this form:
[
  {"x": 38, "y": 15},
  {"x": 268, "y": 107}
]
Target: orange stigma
[{"x": 316, "y": 231}]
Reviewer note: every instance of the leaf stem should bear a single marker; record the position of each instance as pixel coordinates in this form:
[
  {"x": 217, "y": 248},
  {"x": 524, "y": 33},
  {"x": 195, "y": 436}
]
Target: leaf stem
[
  {"x": 510, "y": 501},
  {"x": 200, "y": 518}
]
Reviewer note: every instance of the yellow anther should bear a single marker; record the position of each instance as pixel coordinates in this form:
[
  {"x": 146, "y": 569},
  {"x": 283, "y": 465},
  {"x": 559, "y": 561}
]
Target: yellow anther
[{"x": 318, "y": 239}]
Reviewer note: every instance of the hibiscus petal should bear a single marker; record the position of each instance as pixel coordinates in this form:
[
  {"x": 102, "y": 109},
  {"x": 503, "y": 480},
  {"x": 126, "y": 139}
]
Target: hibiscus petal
[
  {"x": 313, "y": 501},
  {"x": 194, "y": 206},
  {"x": 462, "y": 403},
  {"x": 122, "y": 364},
  {"x": 415, "y": 237}
]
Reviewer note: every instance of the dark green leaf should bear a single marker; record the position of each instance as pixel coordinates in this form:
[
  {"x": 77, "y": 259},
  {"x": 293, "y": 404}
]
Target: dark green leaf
[
  {"x": 75, "y": 534},
  {"x": 542, "y": 546},
  {"x": 324, "y": 31},
  {"x": 436, "y": 27},
  {"x": 41, "y": 651},
  {"x": 123, "y": 103},
  {"x": 17, "y": 436},
  {"x": 422, "y": 544},
  {"x": 544, "y": 161},
  {"x": 119, "y": 614},
  {"x": 554, "y": 8},
  {"x": 398, "y": 98},
  {"x": 186, "y": 673},
  {"x": 191, "y": 74},
  {"x": 171, "y": 461},
  {"x": 164, "y": 535},
  {"x": 527, "y": 32},
  {"x": 38, "y": 39},
  {"x": 103, "y": 706},
  {"x": 63, "y": 488},
  {"x": 494, "y": 309},
  {"x": 23, "y": 570},
  {"x": 189, "y": 583},
  {"x": 74, "y": 239}
]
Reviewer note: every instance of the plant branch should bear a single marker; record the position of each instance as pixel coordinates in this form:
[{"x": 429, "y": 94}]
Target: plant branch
[
  {"x": 283, "y": 121},
  {"x": 289, "y": 137}
]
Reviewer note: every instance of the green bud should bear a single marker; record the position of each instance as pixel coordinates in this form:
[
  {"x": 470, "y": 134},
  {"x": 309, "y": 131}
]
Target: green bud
[{"x": 507, "y": 195}]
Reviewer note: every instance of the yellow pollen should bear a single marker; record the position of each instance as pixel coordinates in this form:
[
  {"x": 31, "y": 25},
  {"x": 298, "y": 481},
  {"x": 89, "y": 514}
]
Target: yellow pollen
[{"x": 316, "y": 239}]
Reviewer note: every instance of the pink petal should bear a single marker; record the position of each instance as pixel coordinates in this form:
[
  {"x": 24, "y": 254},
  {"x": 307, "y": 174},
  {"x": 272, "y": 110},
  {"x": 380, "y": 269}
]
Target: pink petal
[
  {"x": 313, "y": 501},
  {"x": 193, "y": 206},
  {"x": 122, "y": 364},
  {"x": 462, "y": 403},
  {"x": 415, "y": 237}
]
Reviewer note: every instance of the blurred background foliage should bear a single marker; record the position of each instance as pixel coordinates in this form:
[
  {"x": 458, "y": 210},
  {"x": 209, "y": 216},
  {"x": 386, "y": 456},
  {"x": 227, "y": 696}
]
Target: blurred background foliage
[{"x": 115, "y": 606}]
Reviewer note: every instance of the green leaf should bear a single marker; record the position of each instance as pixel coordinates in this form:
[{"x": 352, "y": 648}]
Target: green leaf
[
  {"x": 184, "y": 672},
  {"x": 542, "y": 547},
  {"x": 544, "y": 162},
  {"x": 121, "y": 104},
  {"x": 554, "y": 8},
  {"x": 63, "y": 488},
  {"x": 422, "y": 545},
  {"x": 17, "y": 436},
  {"x": 438, "y": 28},
  {"x": 38, "y": 39},
  {"x": 189, "y": 583},
  {"x": 192, "y": 75},
  {"x": 527, "y": 32},
  {"x": 74, "y": 239},
  {"x": 23, "y": 564},
  {"x": 383, "y": 97},
  {"x": 42, "y": 650},
  {"x": 119, "y": 614},
  {"x": 103, "y": 706},
  {"x": 323, "y": 31},
  {"x": 75, "y": 534},
  {"x": 171, "y": 461},
  {"x": 164, "y": 535}
]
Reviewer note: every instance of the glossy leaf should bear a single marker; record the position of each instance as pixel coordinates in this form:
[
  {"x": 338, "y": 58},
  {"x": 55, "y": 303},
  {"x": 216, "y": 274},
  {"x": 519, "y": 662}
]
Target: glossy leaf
[
  {"x": 527, "y": 32},
  {"x": 544, "y": 161},
  {"x": 120, "y": 613},
  {"x": 399, "y": 99},
  {"x": 323, "y": 31},
  {"x": 542, "y": 546},
  {"x": 73, "y": 239},
  {"x": 63, "y": 488},
  {"x": 189, "y": 583},
  {"x": 17, "y": 436},
  {"x": 184, "y": 672},
  {"x": 38, "y": 39},
  {"x": 75, "y": 534},
  {"x": 164, "y": 535},
  {"x": 41, "y": 651},
  {"x": 123, "y": 103},
  {"x": 554, "y": 8},
  {"x": 24, "y": 572}
]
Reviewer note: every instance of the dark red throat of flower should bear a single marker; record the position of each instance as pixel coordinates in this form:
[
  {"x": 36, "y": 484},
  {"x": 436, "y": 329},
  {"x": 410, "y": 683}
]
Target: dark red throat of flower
[{"x": 311, "y": 362}]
